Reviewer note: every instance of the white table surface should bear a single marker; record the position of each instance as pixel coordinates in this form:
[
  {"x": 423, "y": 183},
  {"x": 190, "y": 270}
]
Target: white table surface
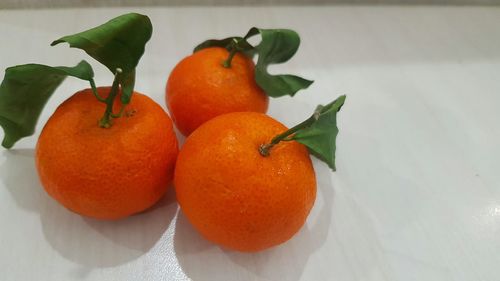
[{"x": 417, "y": 191}]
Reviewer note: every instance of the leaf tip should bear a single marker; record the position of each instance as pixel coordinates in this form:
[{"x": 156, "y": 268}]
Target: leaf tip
[
  {"x": 55, "y": 42},
  {"x": 8, "y": 140},
  {"x": 332, "y": 167},
  {"x": 7, "y": 144},
  {"x": 341, "y": 100},
  {"x": 308, "y": 83}
]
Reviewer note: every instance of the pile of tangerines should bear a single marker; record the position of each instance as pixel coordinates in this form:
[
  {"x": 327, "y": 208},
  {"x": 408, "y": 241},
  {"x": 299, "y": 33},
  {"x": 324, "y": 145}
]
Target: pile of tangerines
[{"x": 243, "y": 179}]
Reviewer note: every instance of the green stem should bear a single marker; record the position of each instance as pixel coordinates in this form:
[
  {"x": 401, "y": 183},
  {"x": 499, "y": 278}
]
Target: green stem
[
  {"x": 94, "y": 90},
  {"x": 234, "y": 50},
  {"x": 105, "y": 121},
  {"x": 119, "y": 114},
  {"x": 285, "y": 136}
]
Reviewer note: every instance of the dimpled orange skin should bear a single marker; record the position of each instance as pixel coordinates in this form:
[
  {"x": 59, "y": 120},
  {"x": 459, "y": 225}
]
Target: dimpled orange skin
[
  {"x": 200, "y": 88},
  {"x": 106, "y": 173},
  {"x": 234, "y": 196}
]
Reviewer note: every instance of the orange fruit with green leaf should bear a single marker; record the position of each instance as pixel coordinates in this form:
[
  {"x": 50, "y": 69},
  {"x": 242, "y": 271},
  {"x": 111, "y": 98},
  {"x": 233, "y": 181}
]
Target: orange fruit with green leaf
[
  {"x": 106, "y": 173},
  {"x": 220, "y": 77},
  {"x": 246, "y": 182},
  {"x": 106, "y": 152}
]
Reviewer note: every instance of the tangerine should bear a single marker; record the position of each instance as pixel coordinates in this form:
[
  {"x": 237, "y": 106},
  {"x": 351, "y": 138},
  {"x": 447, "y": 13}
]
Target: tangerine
[
  {"x": 106, "y": 173},
  {"x": 236, "y": 197},
  {"x": 200, "y": 88}
]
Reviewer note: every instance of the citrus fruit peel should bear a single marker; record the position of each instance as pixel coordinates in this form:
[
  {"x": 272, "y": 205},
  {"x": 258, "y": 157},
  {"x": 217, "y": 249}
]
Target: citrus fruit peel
[
  {"x": 246, "y": 182},
  {"x": 200, "y": 88}
]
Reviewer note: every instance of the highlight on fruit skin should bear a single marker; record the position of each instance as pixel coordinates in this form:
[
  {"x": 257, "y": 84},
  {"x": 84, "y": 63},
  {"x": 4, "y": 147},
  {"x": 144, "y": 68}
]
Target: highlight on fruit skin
[
  {"x": 236, "y": 197},
  {"x": 106, "y": 173}
]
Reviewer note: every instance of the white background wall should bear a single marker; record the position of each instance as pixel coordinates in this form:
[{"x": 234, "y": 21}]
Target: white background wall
[{"x": 16, "y": 4}]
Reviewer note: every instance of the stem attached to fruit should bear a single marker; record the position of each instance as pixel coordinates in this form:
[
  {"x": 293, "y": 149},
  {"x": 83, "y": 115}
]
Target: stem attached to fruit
[
  {"x": 105, "y": 121},
  {"x": 286, "y": 136},
  {"x": 234, "y": 49}
]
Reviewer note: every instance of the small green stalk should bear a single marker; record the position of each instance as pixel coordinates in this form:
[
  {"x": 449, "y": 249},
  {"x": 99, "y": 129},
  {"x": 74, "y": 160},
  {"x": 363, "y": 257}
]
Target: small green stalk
[
  {"x": 285, "y": 136},
  {"x": 234, "y": 49},
  {"x": 94, "y": 91},
  {"x": 105, "y": 121},
  {"x": 119, "y": 114}
]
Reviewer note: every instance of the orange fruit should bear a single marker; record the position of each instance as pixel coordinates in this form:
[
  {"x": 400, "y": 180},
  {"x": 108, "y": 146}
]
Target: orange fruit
[
  {"x": 106, "y": 173},
  {"x": 200, "y": 88},
  {"x": 232, "y": 194}
]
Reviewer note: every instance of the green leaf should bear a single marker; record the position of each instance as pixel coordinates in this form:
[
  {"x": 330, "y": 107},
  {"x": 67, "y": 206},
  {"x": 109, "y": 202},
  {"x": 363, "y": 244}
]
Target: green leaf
[
  {"x": 321, "y": 135},
  {"x": 118, "y": 43},
  {"x": 223, "y": 43},
  {"x": 24, "y": 92},
  {"x": 279, "y": 85},
  {"x": 276, "y": 46},
  {"x": 82, "y": 70},
  {"x": 230, "y": 43}
]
